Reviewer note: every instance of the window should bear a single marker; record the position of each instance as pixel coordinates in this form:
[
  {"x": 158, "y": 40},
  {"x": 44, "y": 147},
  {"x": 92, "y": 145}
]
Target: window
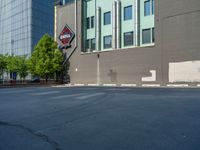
[
  {"x": 128, "y": 38},
  {"x": 92, "y": 22},
  {"x": 93, "y": 44},
  {"x": 88, "y": 23},
  {"x": 128, "y": 13},
  {"x": 90, "y": 45},
  {"x": 146, "y": 36},
  {"x": 152, "y": 7},
  {"x": 107, "y": 40},
  {"x": 87, "y": 45},
  {"x": 107, "y": 18},
  {"x": 153, "y": 35},
  {"x": 147, "y": 8}
]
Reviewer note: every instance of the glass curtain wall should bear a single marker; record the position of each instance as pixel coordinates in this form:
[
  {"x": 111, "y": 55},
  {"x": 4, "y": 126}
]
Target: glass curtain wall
[
  {"x": 15, "y": 31},
  {"x": 42, "y": 19},
  {"x": 22, "y": 24}
]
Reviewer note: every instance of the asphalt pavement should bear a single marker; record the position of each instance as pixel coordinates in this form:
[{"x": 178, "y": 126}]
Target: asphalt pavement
[{"x": 99, "y": 118}]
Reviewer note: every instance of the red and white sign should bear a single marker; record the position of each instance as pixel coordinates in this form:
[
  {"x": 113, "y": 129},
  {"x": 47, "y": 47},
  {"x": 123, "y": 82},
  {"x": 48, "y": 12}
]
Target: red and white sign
[{"x": 66, "y": 36}]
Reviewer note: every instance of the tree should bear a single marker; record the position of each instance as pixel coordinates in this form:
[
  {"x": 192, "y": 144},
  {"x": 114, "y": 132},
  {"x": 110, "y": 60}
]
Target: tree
[
  {"x": 46, "y": 59},
  {"x": 12, "y": 63},
  {"x": 22, "y": 68},
  {"x": 3, "y": 64}
]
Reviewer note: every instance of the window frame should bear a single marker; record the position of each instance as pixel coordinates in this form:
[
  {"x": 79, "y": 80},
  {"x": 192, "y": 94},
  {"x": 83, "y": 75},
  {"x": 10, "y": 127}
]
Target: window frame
[
  {"x": 104, "y": 18},
  {"x": 152, "y": 7},
  {"x": 91, "y": 41},
  {"x": 145, "y": 12},
  {"x": 153, "y": 34},
  {"x": 88, "y": 23},
  {"x": 125, "y": 17},
  {"x": 132, "y": 44},
  {"x": 87, "y": 45},
  {"x": 150, "y": 36},
  {"x": 92, "y": 19},
  {"x": 104, "y": 38}
]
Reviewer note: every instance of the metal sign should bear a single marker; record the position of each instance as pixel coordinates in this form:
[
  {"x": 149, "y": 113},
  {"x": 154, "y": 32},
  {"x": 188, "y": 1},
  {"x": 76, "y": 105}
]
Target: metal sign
[{"x": 66, "y": 36}]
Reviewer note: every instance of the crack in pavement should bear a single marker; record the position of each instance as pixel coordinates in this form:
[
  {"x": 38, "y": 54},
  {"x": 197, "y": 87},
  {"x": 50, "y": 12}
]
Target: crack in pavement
[{"x": 54, "y": 144}]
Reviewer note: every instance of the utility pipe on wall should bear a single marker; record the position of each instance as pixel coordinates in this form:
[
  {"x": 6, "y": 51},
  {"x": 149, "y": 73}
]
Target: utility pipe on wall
[
  {"x": 137, "y": 23},
  {"x": 118, "y": 24},
  {"x": 98, "y": 29},
  {"x": 114, "y": 25}
]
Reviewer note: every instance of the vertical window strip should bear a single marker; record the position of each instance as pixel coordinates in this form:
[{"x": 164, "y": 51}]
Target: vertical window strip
[
  {"x": 128, "y": 12},
  {"x": 107, "y": 40},
  {"x": 107, "y": 18},
  {"x": 147, "y": 8},
  {"x": 152, "y": 6},
  {"x": 129, "y": 38}
]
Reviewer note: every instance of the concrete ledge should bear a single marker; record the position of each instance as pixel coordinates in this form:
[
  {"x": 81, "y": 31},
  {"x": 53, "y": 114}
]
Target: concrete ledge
[
  {"x": 79, "y": 84},
  {"x": 177, "y": 85},
  {"x": 110, "y": 85},
  {"x": 151, "y": 85},
  {"x": 128, "y": 85},
  {"x": 58, "y": 86},
  {"x": 93, "y": 84}
]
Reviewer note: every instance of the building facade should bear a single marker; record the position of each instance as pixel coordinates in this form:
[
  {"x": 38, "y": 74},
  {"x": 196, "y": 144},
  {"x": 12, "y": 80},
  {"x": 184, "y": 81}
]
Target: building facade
[
  {"x": 119, "y": 25},
  {"x": 132, "y": 42},
  {"x": 23, "y": 23}
]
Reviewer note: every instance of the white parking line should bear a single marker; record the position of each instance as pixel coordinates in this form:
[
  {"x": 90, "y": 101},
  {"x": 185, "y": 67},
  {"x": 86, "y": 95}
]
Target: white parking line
[
  {"x": 89, "y": 96},
  {"x": 67, "y": 96},
  {"x": 45, "y": 93}
]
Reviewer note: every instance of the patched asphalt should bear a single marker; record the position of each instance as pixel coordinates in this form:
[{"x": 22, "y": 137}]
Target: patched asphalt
[{"x": 99, "y": 118}]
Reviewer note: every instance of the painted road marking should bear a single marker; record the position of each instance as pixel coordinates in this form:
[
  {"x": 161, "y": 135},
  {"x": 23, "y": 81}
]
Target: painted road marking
[
  {"x": 67, "y": 96},
  {"x": 46, "y": 93},
  {"x": 90, "y": 95}
]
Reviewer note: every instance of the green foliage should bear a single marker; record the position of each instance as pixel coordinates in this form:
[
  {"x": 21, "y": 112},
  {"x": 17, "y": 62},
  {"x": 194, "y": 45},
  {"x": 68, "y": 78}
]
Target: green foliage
[
  {"x": 22, "y": 68},
  {"x": 3, "y": 64},
  {"x": 46, "y": 59},
  {"x": 17, "y": 64},
  {"x": 12, "y": 63}
]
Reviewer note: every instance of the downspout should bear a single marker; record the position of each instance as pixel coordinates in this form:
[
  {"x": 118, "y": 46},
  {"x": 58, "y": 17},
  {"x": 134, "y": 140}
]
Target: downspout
[
  {"x": 137, "y": 23},
  {"x": 98, "y": 29},
  {"x": 114, "y": 16},
  {"x": 75, "y": 46},
  {"x": 118, "y": 24},
  {"x": 55, "y": 23}
]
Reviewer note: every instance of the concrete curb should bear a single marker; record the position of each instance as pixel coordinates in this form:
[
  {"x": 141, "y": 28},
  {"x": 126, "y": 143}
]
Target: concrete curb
[{"x": 131, "y": 85}]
